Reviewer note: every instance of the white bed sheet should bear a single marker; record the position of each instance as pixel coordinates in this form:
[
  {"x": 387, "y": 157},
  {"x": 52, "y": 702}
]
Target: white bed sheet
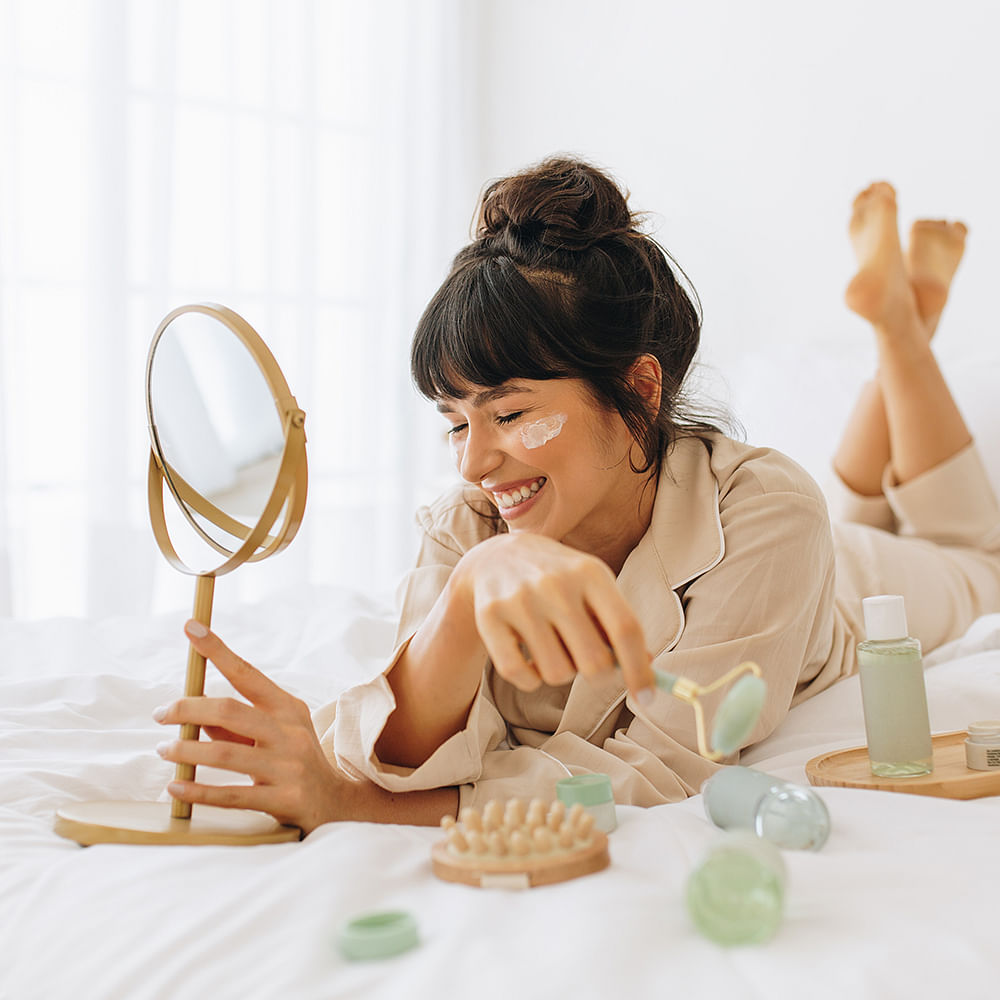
[{"x": 901, "y": 902}]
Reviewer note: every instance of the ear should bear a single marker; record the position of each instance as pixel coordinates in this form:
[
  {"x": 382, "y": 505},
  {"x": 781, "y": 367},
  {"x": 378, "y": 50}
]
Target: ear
[{"x": 646, "y": 377}]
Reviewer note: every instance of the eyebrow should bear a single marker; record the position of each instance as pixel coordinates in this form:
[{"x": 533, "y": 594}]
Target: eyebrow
[{"x": 486, "y": 396}]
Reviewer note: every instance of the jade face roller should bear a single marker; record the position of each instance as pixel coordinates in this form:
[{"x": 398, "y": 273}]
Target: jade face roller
[{"x": 735, "y": 717}]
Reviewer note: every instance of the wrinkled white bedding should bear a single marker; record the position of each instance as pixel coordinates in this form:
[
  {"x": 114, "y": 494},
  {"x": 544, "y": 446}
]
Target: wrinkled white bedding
[{"x": 901, "y": 902}]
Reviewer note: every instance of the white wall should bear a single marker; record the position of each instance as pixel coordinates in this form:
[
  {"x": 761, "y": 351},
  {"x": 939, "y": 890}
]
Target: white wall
[{"x": 748, "y": 127}]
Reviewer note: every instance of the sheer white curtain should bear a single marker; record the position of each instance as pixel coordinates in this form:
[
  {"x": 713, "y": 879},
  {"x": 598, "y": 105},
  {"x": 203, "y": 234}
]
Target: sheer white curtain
[{"x": 302, "y": 161}]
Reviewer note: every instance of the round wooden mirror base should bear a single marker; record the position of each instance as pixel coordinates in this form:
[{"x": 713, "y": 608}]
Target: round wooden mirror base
[{"x": 151, "y": 823}]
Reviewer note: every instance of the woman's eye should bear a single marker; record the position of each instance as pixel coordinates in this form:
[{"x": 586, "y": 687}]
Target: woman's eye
[
  {"x": 455, "y": 429},
  {"x": 508, "y": 418}
]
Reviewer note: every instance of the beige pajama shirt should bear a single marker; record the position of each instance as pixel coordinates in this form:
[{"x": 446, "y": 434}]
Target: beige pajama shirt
[{"x": 740, "y": 562}]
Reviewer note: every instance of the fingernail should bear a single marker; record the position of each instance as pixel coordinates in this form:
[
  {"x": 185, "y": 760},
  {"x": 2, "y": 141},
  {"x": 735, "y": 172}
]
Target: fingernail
[
  {"x": 159, "y": 713},
  {"x": 162, "y": 748},
  {"x": 195, "y": 628},
  {"x": 645, "y": 696},
  {"x": 175, "y": 788}
]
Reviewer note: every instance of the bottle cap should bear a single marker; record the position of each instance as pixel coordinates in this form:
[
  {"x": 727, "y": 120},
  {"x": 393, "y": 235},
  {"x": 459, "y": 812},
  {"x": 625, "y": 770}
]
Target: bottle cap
[
  {"x": 587, "y": 789},
  {"x": 885, "y": 617},
  {"x": 985, "y": 732},
  {"x": 378, "y": 935}
]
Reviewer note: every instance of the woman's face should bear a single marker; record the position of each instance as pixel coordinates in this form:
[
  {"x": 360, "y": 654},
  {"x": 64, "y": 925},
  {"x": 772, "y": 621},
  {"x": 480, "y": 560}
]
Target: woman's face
[{"x": 550, "y": 458}]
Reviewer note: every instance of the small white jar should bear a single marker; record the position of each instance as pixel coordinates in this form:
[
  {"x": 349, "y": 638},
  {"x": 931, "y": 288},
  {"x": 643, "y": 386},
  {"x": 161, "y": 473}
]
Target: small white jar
[{"x": 982, "y": 748}]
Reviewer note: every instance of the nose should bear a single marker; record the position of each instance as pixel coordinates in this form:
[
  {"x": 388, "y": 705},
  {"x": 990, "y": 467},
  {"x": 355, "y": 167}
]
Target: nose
[{"x": 478, "y": 455}]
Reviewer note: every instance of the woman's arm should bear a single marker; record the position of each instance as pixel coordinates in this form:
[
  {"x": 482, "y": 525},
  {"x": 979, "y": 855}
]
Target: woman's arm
[
  {"x": 541, "y": 611},
  {"x": 434, "y": 680}
]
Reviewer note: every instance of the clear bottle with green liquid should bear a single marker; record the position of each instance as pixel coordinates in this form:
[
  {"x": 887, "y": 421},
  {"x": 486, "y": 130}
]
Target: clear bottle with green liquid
[{"x": 893, "y": 694}]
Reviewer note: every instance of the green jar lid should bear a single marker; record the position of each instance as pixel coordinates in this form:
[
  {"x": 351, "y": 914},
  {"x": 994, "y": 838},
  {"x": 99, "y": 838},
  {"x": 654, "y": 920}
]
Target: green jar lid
[
  {"x": 587, "y": 789},
  {"x": 378, "y": 935}
]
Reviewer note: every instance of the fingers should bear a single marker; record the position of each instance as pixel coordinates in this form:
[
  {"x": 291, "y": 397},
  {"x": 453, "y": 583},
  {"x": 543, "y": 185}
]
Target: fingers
[
  {"x": 297, "y": 790},
  {"x": 239, "y": 757},
  {"x": 271, "y": 740},
  {"x": 609, "y": 635},
  {"x": 228, "y": 718},
  {"x": 258, "y": 797},
  {"x": 229, "y": 715},
  {"x": 218, "y": 733},
  {"x": 548, "y": 638},
  {"x": 249, "y": 681},
  {"x": 587, "y": 647},
  {"x": 627, "y": 643},
  {"x": 510, "y": 657}
]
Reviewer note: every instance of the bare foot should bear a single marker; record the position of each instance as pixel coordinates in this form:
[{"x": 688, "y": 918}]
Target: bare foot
[
  {"x": 936, "y": 247},
  {"x": 880, "y": 291}
]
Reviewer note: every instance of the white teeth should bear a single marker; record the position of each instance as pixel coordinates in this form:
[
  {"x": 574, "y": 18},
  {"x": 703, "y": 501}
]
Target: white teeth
[{"x": 519, "y": 495}]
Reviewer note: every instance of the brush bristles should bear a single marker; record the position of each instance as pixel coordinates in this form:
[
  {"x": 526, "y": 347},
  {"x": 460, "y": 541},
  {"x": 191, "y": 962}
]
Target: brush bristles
[{"x": 517, "y": 830}]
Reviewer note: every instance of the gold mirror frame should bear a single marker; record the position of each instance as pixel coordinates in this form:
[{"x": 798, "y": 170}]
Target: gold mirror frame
[
  {"x": 290, "y": 483},
  {"x": 173, "y": 823}
]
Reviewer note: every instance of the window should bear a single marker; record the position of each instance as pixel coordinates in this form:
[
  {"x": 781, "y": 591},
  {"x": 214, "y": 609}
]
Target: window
[{"x": 278, "y": 157}]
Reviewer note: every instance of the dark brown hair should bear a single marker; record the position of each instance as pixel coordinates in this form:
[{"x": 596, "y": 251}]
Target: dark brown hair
[{"x": 561, "y": 283}]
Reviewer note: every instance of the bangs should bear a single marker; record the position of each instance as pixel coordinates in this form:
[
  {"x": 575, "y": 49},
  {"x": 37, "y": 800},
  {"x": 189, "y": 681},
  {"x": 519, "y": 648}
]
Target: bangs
[{"x": 488, "y": 324}]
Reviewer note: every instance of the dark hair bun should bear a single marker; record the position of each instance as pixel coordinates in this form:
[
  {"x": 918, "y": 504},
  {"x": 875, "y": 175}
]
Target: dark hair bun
[{"x": 560, "y": 203}]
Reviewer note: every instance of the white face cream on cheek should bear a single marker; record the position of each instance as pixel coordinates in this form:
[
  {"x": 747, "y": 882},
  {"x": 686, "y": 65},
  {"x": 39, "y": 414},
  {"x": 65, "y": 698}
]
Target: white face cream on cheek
[{"x": 539, "y": 432}]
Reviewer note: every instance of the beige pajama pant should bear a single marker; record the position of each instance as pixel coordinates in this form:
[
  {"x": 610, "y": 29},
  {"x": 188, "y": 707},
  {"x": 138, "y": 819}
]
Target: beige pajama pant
[{"x": 935, "y": 540}]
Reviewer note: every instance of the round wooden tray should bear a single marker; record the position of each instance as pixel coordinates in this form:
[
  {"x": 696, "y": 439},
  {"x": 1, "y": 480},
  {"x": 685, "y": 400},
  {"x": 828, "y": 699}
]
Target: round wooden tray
[{"x": 951, "y": 778}]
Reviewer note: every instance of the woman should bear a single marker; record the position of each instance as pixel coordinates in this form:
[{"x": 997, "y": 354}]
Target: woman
[{"x": 604, "y": 530}]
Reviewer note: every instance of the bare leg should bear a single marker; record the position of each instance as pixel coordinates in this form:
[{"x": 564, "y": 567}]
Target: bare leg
[
  {"x": 864, "y": 451},
  {"x": 909, "y": 407}
]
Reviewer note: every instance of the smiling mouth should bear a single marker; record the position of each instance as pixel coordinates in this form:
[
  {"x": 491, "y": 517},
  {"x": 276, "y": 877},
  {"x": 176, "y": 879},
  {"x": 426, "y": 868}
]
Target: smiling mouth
[{"x": 514, "y": 498}]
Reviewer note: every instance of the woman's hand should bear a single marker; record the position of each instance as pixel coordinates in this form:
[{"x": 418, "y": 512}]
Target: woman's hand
[
  {"x": 271, "y": 739},
  {"x": 546, "y": 612}
]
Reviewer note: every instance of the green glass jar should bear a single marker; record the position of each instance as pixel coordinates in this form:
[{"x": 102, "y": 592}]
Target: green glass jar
[{"x": 736, "y": 895}]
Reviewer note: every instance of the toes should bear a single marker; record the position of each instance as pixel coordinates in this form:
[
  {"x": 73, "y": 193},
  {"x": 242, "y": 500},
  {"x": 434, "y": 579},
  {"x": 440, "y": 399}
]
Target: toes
[
  {"x": 876, "y": 201},
  {"x": 938, "y": 231},
  {"x": 877, "y": 191},
  {"x": 883, "y": 189}
]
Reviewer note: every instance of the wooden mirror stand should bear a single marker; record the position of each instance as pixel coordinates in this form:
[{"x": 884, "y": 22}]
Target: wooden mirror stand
[{"x": 237, "y": 541}]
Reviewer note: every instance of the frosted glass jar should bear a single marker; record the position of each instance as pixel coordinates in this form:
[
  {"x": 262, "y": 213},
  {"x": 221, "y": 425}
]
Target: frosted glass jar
[{"x": 736, "y": 895}]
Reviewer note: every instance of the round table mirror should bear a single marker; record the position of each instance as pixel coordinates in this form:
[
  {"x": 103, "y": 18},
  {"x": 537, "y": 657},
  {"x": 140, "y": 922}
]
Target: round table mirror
[
  {"x": 226, "y": 484},
  {"x": 227, "y": 440}
]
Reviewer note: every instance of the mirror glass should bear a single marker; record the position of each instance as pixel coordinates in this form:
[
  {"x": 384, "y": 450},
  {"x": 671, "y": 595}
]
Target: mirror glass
[{"x": 215, "y": 420}]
